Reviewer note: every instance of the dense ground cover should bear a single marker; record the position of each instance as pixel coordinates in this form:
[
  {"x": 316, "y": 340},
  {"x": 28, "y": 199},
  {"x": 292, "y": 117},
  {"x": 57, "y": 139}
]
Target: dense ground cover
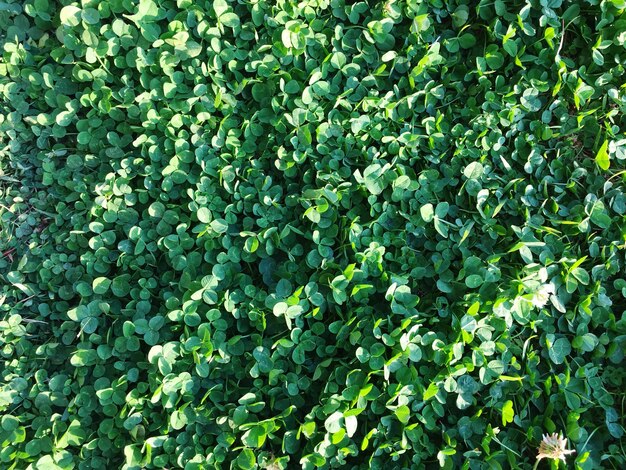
[{"x": 335, "y": 234}]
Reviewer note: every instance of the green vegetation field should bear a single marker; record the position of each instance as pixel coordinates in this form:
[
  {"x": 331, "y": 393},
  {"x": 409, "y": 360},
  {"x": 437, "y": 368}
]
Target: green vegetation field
[{"x": 326, "y": 234}]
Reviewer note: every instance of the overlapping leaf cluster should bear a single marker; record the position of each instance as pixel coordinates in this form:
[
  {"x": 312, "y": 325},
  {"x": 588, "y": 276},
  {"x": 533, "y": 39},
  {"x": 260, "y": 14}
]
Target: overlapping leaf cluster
[{"x": 323, "y": 234}]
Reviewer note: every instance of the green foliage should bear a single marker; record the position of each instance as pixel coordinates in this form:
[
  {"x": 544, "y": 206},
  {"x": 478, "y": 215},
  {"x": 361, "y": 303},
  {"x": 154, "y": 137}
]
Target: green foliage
[{"x": 317, "y": 234}]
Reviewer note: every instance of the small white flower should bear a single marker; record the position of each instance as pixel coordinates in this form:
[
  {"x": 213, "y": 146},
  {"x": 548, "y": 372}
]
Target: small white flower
[
  {"x": 553, "y": 446},
  {"x": 542, "y": 295}
]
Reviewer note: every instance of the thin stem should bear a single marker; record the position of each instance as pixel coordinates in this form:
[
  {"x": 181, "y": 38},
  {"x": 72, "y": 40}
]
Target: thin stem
[{"x": 558, "y": 51}]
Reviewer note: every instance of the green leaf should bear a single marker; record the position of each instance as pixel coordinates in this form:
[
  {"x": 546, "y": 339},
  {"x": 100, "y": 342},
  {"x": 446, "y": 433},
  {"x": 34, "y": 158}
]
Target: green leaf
[
  {"x": 74, "y": 436},
  {"x": 147, "y": 11},
  {"x": 9, "y": 423},
  {"x": 494, "y": 59},
  {"x": 474, "y": 170},
  {"x": 41, "y": 5},
  {"x": 204, "y": 215},
  {"x": 440, "y": 227},
  {"x": 602, "y": 157},
  {"x": 358, "y": 125},
  {"x": 352, "y": 424},
  {"x": 427, "y": 212},
  {"x": 431, "y": 391},
  {"x": 374, "y": 180},
  {"x": 559, "y": 349},
  {"x": 338, "y": 60},
  {"x": 442, "y": 209},
  {"x": 101, "y": 285},
  {"x": 292, "y": 87},
  {"x": 219, "y": 225},
  {"x": 90, "y": 16},
  {"x": 530, "y": 100},
  {"x": 507, "y": 412},
  {"x": 251, "y": 244},
  {"x": 467, "y": 40},
  {"x": 254, "y": 437},
  {"x": 334, "y": 422},
  {"x": 246, "y": 459},
  {"x": 403, "y": 413},
  {"x": 64, "y": 118},
  {"x": 70, "y": 15},
  {"x": 229, "y": 19},
  {"x": 220, "y": 7},
  {"x": 473, "y": 281}
]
